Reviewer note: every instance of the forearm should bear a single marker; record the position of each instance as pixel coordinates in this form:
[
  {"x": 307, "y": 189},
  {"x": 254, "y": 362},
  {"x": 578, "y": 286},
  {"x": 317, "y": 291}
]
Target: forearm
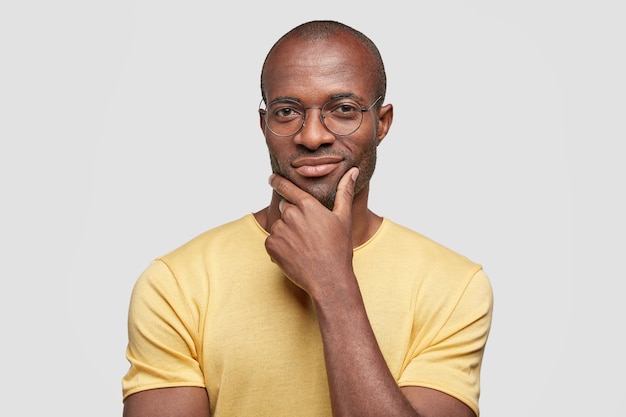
[{"x": 359, "y": 380}]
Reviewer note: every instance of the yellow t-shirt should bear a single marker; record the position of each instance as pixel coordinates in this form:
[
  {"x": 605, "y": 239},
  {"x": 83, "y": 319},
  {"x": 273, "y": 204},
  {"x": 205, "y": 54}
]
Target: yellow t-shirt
[{"x": 217, "y": 313}]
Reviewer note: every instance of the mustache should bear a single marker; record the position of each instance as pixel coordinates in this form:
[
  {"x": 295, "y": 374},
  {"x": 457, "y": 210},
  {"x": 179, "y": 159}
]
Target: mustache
[{"x": 317, "y": 154}]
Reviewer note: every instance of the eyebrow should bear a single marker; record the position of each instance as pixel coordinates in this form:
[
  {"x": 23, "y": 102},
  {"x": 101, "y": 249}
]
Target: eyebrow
[
  {"x": 335, "y": 96},
  {"x": 345, "y": 95}
]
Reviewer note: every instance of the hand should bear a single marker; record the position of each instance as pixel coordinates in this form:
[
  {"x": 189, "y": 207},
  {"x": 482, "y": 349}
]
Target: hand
[{"x": 311, "y": 244}]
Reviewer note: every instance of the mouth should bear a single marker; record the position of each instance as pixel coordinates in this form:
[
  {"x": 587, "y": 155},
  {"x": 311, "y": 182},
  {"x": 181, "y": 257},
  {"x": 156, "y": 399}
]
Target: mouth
[{"x": 313, "y": 167}]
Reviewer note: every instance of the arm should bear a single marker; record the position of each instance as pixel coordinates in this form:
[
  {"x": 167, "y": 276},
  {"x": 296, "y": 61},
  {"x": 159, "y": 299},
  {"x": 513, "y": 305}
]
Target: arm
[
  {"x": 168, "y": 402},
  {"x": 313, "y": 246},
  {"x": 359, "y": 378},
  {"x": 164, "y": 378}
]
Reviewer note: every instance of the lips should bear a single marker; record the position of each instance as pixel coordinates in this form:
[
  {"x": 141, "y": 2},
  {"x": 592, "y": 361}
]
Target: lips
[{"x": 316, "y": 166}]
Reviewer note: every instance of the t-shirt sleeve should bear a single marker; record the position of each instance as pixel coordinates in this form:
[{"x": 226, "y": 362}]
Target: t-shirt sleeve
[
  {"x": 451, "y": 362},
  {"x": 162, "y": 334}
]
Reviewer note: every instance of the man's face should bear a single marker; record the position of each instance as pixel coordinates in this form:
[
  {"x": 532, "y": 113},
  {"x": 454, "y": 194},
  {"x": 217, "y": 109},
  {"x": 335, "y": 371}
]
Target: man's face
[{"x": 312, "y": 73}]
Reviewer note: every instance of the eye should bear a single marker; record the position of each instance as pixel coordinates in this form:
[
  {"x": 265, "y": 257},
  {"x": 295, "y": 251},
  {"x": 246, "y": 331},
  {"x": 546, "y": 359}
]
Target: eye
[
  {"x": 285, "y": 111},
  {"x": 344, "y": 110}
]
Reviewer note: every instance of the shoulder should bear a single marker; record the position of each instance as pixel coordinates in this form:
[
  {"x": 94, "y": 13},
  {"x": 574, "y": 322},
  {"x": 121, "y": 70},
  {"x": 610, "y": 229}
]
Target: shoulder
[
  {"x": 190, "y": 265},
  {"x": 237, "y": 233},
  {"x": 409, "y": 244},
  {"x": 431, "y": 267}
]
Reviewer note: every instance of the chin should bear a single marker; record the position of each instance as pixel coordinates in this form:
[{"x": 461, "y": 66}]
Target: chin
[{"x": 324, "y": 193}]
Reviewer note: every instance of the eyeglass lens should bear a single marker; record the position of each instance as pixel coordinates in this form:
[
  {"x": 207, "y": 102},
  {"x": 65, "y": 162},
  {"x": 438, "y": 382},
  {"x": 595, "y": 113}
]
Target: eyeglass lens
[{"x": 341, "y": 117}]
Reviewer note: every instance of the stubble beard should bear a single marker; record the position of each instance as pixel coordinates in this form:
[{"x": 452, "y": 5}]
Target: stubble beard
[{"x": 327, "y": 193}]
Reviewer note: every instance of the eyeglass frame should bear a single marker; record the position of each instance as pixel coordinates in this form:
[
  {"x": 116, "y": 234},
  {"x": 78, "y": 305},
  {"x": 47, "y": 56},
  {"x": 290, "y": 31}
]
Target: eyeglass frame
[{"x": 264, "y": 113}]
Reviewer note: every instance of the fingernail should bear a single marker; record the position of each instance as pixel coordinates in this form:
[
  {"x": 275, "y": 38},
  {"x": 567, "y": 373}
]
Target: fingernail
[
  {"x": 354, "y": 174},
  {"x": 269, "y": 180}
]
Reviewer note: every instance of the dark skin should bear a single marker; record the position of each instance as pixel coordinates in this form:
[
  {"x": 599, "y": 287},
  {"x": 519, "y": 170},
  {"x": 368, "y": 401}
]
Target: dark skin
[{"x": 313, "y": 242}]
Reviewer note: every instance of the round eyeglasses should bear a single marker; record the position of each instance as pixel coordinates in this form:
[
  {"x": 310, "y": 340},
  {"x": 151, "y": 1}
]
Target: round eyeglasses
[{"x": 341, "y": 116}]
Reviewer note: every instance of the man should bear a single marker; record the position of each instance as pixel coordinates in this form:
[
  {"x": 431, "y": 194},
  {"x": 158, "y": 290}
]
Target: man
[{"x": 315, "y": 305}]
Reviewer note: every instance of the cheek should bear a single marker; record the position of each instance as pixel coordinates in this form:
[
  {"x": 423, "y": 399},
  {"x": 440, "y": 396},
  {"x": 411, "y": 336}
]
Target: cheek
[
  {"x": 278, "y": 157},
  {"x": 366, "y": 166},
  {"x": 368, "y": 160}
]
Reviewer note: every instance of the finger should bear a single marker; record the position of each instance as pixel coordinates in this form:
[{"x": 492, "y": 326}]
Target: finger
[
  {"x": 288, "y": 190},
  {"x": 281, "y": 205},
  {"x": 345, "y": 192}
]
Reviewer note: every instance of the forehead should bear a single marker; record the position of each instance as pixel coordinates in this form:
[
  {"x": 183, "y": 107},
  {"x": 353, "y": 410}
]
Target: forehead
[{"x": 314, "y": 70}]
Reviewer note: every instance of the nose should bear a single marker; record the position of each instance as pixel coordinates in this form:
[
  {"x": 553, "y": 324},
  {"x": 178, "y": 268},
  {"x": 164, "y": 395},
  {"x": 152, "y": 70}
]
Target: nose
[{"x": 313, "y": 133}]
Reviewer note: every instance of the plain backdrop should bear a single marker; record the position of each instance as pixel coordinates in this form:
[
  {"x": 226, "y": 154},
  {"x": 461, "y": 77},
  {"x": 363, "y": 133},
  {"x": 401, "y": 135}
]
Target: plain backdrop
[{"x": 129, "y": 127}]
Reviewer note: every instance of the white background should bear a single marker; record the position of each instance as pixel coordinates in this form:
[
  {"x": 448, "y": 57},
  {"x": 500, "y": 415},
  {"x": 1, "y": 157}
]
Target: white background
[{"x": 128, "y": 127}]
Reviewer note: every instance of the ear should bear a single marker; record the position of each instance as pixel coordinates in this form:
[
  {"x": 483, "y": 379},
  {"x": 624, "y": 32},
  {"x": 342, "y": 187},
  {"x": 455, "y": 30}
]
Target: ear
[
  {"x": 262, "y": 121},
  {"x": 385, "y": 117}
]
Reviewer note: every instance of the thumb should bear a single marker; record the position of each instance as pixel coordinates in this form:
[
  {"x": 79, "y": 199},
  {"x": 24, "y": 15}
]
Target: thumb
[{"x": 345, "y": 192}]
